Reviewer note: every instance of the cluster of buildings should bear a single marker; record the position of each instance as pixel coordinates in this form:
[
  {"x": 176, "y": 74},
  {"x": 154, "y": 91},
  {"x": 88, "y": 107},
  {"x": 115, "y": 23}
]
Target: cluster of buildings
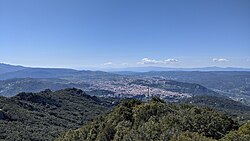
[{"x": 127, "y": 88}]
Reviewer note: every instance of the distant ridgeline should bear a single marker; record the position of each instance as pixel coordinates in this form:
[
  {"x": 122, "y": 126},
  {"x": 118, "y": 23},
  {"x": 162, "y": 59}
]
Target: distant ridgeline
[{"x": 45, "y": 115}]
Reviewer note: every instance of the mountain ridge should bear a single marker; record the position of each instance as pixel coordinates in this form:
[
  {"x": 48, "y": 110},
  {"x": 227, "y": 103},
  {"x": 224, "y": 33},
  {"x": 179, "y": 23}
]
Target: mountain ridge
[
  {"x": 45, "y": 115},
  {"x": 11, "y": 68}
]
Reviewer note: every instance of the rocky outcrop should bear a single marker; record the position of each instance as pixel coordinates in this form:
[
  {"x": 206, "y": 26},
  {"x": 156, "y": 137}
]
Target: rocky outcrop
[{"x": 3, "y": 115}]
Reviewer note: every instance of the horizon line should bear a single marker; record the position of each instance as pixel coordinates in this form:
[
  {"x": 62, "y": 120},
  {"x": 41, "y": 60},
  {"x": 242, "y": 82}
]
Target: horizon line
[{"x": 130, "y": 67}]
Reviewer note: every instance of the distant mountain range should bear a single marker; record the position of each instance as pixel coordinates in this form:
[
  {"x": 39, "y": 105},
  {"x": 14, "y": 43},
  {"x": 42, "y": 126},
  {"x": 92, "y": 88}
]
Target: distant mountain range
[
  {"x": 150, "y": 68},
  {"x": 10, "y": 72},
  {"x": 230, "y": 82},
  {"x": 8, "y": 69},
  {"x": 5, "y": 68}
]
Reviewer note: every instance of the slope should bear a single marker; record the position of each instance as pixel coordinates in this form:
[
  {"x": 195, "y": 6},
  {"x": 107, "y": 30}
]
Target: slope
[
  {"x": 154, "y": 120},
  {"x": 44, "y": 115},
  {"x": 234, "y": 109}
]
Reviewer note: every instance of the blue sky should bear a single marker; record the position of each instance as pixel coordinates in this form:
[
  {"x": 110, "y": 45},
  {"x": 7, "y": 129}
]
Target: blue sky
[{"x": 124, "y": 33}]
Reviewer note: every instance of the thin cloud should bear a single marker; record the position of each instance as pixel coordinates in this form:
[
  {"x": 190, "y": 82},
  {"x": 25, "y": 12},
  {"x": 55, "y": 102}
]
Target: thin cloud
[
  {"x": 220, "y": 60},
  {"x": 171, "y": 60},
  {"x": 145, "y": 61},
  {"x": 107, "y": 64},
  {"x": 124, "y": 64},
  {"x": 149, "y": 61}
]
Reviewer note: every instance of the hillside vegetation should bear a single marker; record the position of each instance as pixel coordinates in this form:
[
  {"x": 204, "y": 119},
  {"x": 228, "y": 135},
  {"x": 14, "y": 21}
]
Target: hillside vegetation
[
  {"x": 156, "y": 120},
  {"x": 11, "y": 87},
  {"x": 234, "y": 109},
  {"x": 45, "y": 115}
]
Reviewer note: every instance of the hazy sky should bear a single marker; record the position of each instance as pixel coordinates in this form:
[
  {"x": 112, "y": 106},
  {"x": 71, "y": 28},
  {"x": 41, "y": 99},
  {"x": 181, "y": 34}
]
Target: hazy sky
[{"x": 123, "y": 33}]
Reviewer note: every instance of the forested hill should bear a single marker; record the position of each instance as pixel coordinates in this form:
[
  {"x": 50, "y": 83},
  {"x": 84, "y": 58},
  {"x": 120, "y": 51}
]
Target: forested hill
[
  {"x": 217, "y": 102},
  {"x": 45, "y": 115},
  {"x": 159, "y": 121},
  {"x": 234, "y": 109}
]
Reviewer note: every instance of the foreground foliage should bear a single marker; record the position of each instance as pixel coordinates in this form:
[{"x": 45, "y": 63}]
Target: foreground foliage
[
  {"x": 243, "y": 134},
  {"x": 155, "y": 121}
]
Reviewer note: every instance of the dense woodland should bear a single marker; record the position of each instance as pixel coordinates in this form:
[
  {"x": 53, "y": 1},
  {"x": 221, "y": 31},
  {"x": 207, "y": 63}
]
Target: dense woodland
[
  {"x": 157, "y": 121},
  {"x": 45, "y": 115},
  {"x": 234, "y": 109}
]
